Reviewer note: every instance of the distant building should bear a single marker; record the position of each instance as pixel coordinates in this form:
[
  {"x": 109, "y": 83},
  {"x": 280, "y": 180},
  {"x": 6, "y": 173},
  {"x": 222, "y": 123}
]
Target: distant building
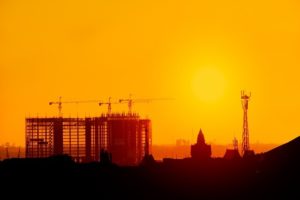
[
  {"x": 200, "y": 150},
  {"x": 248, "y": 154},
  {"x": 124, "y": 138},
  {"x": 182, "y": 142},
  {"x": 232, "y": 154}
]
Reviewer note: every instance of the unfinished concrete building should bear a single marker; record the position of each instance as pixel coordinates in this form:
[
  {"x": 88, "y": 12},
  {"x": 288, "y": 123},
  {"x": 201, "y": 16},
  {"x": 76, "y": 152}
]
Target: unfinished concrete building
[{"x": 126, "y": 136}]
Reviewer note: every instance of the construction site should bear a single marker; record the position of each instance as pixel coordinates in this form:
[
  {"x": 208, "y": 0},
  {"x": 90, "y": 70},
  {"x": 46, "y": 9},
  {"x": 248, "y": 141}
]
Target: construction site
[{"x": 125, "y": 137}]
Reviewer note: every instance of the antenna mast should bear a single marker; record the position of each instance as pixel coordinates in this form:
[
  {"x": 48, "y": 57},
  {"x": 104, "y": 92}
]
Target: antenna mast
[{"x": 245, "y": 141}]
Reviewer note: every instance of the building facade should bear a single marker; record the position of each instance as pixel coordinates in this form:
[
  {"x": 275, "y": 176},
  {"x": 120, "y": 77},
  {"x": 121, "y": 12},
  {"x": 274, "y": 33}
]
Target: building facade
[
  {"x": 200, "y": 150},
  {"x": 126, "y": 137}
]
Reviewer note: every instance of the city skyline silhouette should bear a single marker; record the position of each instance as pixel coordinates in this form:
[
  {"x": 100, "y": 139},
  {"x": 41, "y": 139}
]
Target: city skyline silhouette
[{"x": 150, "y": 99}]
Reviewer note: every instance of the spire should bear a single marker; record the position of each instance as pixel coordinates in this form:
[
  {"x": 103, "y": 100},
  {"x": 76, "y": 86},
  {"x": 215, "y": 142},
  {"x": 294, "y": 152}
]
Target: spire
[
  {"x": 200, "y": 150},
  {"x": 200, "y": 139}
]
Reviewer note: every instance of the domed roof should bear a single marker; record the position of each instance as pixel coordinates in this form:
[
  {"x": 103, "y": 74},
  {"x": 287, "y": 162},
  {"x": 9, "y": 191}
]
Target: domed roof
[{"x": 200, "y": 139}]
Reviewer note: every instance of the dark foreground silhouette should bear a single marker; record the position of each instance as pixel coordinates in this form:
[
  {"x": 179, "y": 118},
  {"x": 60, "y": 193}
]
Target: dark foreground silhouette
[{"x": 272, "y": 175}]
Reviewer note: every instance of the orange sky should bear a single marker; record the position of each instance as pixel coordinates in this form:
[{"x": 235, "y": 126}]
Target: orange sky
[{"x": 200, "y": 53}]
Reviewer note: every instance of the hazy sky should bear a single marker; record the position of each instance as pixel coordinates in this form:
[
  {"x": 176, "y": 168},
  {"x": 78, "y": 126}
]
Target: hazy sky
[{"x": 202, "y": 53}]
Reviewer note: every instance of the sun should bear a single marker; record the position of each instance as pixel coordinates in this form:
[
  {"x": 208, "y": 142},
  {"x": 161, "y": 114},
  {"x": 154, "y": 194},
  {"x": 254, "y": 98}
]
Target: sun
[{"x": 209, "y": 84}]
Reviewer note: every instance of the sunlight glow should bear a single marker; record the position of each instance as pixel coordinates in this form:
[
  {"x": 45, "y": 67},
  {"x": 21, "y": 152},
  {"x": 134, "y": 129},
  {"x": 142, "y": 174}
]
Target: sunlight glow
[{"x": 209, "y": 84}]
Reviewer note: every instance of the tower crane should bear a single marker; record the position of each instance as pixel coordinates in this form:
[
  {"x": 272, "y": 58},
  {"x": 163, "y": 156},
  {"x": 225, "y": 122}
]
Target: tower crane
[
  {"x": 60, "y": 102},
  {"x": 108, "y": 103},
  {"x": 130, "y": 101}
]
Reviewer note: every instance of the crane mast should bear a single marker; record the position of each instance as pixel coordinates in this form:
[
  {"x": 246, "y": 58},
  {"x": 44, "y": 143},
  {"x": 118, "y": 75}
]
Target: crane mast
[{"x": 108, "y": 105}]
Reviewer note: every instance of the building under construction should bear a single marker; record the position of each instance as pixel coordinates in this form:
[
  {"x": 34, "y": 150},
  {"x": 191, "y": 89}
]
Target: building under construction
[{"x": 126, "y": 137}]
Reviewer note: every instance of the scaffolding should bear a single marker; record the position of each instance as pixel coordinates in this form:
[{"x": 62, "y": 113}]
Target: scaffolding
[{"x": 126, "y": 136}]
